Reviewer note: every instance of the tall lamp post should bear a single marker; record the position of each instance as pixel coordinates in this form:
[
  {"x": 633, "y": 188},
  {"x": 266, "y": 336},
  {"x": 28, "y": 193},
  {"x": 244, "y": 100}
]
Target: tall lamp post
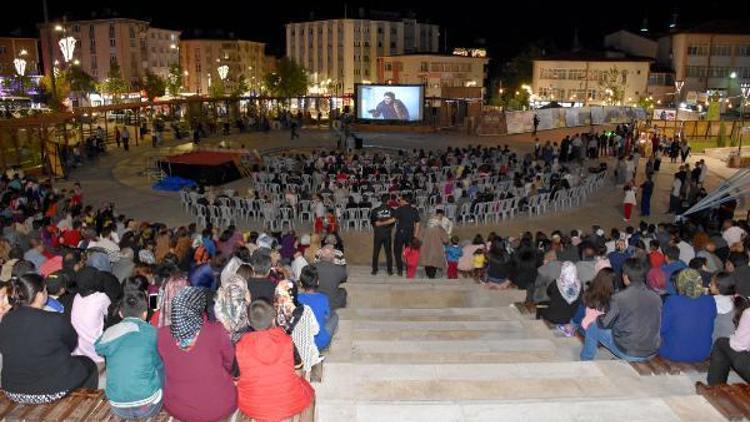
[
  {"x": 677, "y": 89},
  {"x": 745, "y": 93}
]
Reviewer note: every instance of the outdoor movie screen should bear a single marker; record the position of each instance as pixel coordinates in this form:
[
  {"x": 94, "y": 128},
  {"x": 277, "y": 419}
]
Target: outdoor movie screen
[{"x": 390, "y": 102}]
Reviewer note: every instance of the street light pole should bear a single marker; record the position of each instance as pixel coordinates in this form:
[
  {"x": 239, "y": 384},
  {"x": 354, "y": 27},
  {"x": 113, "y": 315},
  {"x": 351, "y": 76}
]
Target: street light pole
[{"x": 745, "y": 92}]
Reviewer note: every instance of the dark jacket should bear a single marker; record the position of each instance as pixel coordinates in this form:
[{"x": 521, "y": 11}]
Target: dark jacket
[
  {"x": 558, "y": 310},
  {"x": 262, "y": 288},
  {"x": 331, "y": 276},
  {"x": 634, "y": 317},
  {"x": 39, "y": 363}
]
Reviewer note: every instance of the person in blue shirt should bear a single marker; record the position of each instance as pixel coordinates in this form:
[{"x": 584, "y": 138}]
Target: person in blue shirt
[
  {"x": 618, "y": 257},
  {"x": 673, "y": 265},
  {"x": 453, "y": 252},
  {"x": 687, "y": 321},
  {"x": 318, "y": 302}
]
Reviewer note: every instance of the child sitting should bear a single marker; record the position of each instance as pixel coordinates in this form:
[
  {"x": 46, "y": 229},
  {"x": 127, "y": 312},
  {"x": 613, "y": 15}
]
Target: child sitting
[
  {"x": 411, "y": 257},
  {"x": 318, "y": 302},
  {"x": 722, "y": 288},
  {"x": 268, "y": 387},
  {"x": 453, "y": 253},
  {"x": 134, "y": 368},
  {"x": 479, "y": 260},
  {"x": 58, "y": 299}
]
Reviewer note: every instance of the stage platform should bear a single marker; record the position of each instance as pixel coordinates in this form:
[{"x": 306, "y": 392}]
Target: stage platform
[{"x": 208, "y": 168}]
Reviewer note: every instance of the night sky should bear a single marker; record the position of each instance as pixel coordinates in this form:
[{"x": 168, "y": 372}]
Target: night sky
[{"x": 501, "y": 30}]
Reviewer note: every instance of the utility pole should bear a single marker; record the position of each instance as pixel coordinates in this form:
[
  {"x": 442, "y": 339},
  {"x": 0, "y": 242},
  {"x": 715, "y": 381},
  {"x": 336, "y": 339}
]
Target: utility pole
[{"x": 50, "y": 47}]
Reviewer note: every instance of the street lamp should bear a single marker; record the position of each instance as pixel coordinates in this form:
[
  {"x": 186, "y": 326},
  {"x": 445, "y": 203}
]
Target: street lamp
[
  {"x": 223, "y": 70},
  {"x": 20, "y": 65},
  {"x": 745, "y": 92},
  {"x": 67, "y": 46}
]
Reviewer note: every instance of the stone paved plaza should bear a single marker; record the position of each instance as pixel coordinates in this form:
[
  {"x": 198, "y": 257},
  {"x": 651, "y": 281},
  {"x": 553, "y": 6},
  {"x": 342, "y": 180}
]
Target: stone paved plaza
[{"x": 119, "y": 177}]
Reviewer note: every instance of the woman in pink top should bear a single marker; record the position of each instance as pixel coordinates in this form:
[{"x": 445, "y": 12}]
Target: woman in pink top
[
  {"x": 89, "y": 310},
  {"x": 733, "y": 352}
]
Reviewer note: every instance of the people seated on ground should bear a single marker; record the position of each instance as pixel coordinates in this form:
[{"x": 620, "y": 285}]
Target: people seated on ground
[
  {"x": 499, "y": 266},
  {"x": 672, "y": 267},
  {"x": 230, "y": 306},
  {"x": 687, "y": 320},
  {"x": 259, "y": 285},
  {"x": 596, "y": 298},
  {"x": 630, "y": 328},
  {"x": 733, "y": 352},
  {"x": 318, "y": 303},
  {"x": 39, "y": 368},
  {"x": 331, "y": 276},
  {"x": 198, "y": 361},
  {"x": 547, "y": 273},
  {"x": 722, "y": 289},
  {"x": 737, "y": 264},
  {"x": 90, "y": 308},
  {"x": 268, "y": 388},
  {"x": 134, "y": 368},
  {"x": 58, "y": 298},
  {"x": 564, "y": 297},
  {"x": 299, "y": 321},
  {"x": 466, "y": 262}
]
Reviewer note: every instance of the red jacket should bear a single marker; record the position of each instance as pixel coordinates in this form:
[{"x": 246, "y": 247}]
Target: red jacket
[{"x": 268, "y": 388}]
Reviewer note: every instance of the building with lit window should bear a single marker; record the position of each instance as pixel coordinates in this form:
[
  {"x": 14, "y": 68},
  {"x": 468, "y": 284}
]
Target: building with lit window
[
  {"x": 201, "y": 59},
  {"x": 339, "y": 53},
  {"x": 444, "y": 75},
  {"x": 579, "y": 78},
  {"x": 134, "y": 44},
  {"x": 706, "y": 56}
]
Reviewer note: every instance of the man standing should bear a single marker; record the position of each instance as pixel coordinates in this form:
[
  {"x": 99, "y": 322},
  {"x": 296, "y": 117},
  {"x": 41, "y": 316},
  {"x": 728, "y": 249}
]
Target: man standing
[
  {"x": 407, "y": 227},
  {"x": 382, "y": 222},
  {"x": 536, "y": 124},
  {"x": 117, "y": 136},
  {"x": 125, "y": 138}
]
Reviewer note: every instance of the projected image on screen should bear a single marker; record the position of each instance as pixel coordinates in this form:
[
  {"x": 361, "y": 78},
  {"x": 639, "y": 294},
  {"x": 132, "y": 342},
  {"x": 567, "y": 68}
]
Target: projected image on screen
[{"x": 390, "y": 102}]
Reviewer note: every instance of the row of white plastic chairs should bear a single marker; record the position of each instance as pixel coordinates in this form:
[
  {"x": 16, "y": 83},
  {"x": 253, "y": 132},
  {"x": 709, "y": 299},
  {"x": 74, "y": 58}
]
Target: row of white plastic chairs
[{"x": 278, "y": 215}]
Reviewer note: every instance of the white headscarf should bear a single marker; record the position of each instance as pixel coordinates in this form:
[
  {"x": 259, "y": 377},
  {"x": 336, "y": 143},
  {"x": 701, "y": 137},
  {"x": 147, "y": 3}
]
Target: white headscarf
[{"x": 568, "y": 283}]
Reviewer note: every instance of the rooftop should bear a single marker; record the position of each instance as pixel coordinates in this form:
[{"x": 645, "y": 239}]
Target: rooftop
[
  {"x": 592, "y": 56},
  {"x": 721, "y": 26}
]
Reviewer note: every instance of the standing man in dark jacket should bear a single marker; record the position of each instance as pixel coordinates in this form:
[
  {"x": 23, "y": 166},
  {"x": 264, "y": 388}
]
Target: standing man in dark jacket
[
  {"x": 382, "y": 223},
  {"x": 407, "y": 227},
  {"x": 631, "y": 327}
]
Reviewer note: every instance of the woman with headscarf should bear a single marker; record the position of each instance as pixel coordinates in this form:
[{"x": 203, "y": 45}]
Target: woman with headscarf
[
  {"x": 687, "y": 320},
  {"x": 230, "y": 307},
  {"x": 299, "y": 321},
  {"x": 434, "y": 239},
  {"x": 564, "y": 298},
  {"x": 168, "y": 291},
  {"x": 198, "y": 358}
]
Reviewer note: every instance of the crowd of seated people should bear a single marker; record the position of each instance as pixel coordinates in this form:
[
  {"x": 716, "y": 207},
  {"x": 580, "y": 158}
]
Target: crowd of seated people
[{"x": 199, "y": 324}]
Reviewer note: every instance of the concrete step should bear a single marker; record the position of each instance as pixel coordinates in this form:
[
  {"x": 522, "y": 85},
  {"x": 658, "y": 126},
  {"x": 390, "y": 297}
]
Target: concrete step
[
  {"x": 496, "y": 313},
  {"x": 691, "y": 408},
  {"x": 428, "y": 296},
  {"x": 493, "y": 381},
  {"x": 448, "y": 330}
]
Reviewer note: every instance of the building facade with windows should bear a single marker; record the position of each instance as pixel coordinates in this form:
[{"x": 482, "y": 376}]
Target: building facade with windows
[
  {"x": 581, "y": 78},
  {"x": 339, "y": 53},
  {"x": 12, "y": 48},
  {"x": 705, "y": 56},
  {"x": 132, "y": 43},
  {"x": 201, "y": 59},
  {"x": 445, "y": 76}
]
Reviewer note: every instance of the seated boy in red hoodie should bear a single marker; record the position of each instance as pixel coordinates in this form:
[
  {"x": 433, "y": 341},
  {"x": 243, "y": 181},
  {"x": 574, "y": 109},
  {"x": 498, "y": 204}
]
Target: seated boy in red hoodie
[{"x": 268, "y": 388}]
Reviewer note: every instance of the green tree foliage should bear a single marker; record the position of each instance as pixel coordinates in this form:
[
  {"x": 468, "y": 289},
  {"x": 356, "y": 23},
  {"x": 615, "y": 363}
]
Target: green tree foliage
[
  {"x": 55, "y": 97},
  {"x": 173, "y": 84},
  {"x": 289, "y": 80},
  {"x": 114, "y": 84},
  {"x": 154, "y": 85},
  {"x": 612, "y": 83}
]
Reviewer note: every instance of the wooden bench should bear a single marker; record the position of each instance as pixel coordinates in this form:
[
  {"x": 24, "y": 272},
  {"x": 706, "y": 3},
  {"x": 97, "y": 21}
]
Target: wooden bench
[
  {"x": 92, "y": 405},
  {"x": 660, "y": 366},
  {"x": 732, "y": 401}
]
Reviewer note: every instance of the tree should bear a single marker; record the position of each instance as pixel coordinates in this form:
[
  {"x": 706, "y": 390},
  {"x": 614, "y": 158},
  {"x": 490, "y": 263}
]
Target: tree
[
  {"x": 239, "y": 87},
  {"x": 517, "y": 72},
  {"x": 80, "y": 81},
  {"x": 217, "y": 89},
  {"x": 114, "y": 85},
  {"x": 289, "y": 80},
  {"x": 54, "y": 98},
  {"x": 647, "y": 104},
  {"x": 612, "y": 83},
  {"x": 17, "y": 85},
  {"x": 173, "y": 84},
  {"x": 154, "y": 85}
]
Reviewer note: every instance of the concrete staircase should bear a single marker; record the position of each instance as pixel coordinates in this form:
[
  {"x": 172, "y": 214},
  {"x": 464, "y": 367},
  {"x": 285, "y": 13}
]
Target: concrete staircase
[{"x": 450, "y": 351}]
